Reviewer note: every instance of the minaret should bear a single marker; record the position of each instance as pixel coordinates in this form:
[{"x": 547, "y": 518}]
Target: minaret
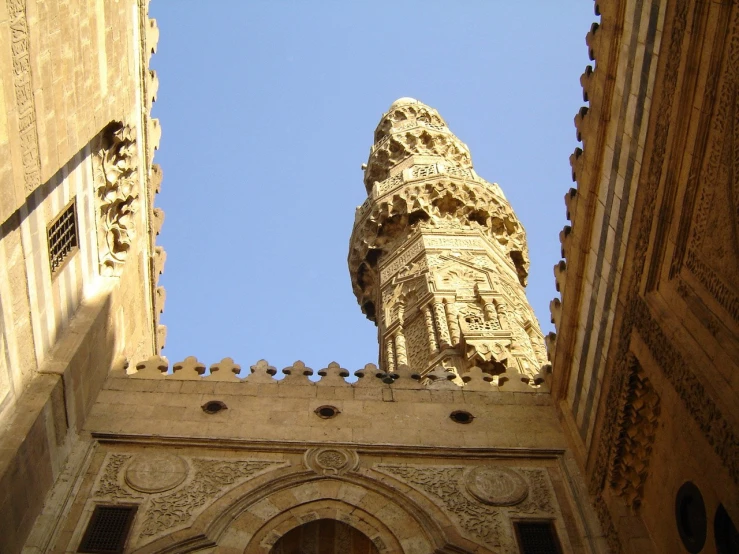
[{"x": 437, "y": 257}]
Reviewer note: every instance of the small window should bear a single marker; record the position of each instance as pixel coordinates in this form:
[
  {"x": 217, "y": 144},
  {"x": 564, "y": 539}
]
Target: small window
[
  {"x": 108, "y": 529},
  {"x": 690, "y": 516},
  {"x": 62, "y": 237},
  {"x": 537, "y": 537},
  {"x": 727, "y": 537}
]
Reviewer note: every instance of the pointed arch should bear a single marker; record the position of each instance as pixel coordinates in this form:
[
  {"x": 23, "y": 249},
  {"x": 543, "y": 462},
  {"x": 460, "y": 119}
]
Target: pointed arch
[{"x": 254, "y": 516}]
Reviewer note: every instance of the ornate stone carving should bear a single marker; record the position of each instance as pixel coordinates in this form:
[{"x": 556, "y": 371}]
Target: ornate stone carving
[
  {"x": 331, "y": 461},
  {"x": 638, "y": 425},
  {"x": 117, "y": 195},
  {"x": 434, "y": 248},
  {"x": 539, "y": 499},
  {"x": 496, "y": 486},
  {"x": 24, "y": 93},
  {"x": 109, "y": 485},
  {"x": 151, "y": 473},
  {"x": 211, "y": 478},
  {"x": 417, "y": 342},
  {"x": 430, "y": 329},
  {"x": 495, "y": 493},
  {"x": 443, "y": 483}
]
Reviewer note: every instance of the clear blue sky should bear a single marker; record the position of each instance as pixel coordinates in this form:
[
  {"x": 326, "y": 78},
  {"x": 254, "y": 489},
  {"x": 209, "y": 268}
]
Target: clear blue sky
[{"x": 268, "y": 109}]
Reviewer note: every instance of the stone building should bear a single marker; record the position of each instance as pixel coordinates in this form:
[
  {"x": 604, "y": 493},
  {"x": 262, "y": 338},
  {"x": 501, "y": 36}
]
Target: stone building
[{"x": 471, "y": 435}]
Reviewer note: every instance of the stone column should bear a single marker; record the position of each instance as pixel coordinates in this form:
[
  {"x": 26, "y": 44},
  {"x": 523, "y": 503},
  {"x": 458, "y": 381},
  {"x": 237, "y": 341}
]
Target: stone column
[
  {"x": 452, "y": 321},
  {"x": 503, "y": 316},
  {"x": 400, "y": 351},
  {"x": 441, "y": 325},
  {"x": 433, "y": 346},
  {"x": 491, "y": 314},
  {"x": 390, "y": 355}
]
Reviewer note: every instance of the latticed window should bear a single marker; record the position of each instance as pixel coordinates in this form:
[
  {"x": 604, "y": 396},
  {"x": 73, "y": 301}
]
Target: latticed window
[
  {"x": 108, "y": 529},
  {"x": 537, "y": 537},
  {"x": 62, "y": 237}
]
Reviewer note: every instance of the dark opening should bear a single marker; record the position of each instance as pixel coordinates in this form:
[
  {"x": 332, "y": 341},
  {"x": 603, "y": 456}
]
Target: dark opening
[
  {"x": 725, "y": 533},
  {"x": 537, "y": 537},
  {"x": 460, "y": 416},
  {"x": 690, "y": 516},
  {"x": 327, "y": 412},
  {"x": 213, "y": 407},
  {"x": 108, "y": 529}
]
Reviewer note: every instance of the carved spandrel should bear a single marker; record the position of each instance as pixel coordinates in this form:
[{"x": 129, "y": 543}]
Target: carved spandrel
[
  {"x": 481, "y": 498},
  {"x": 211, "y": 477},
  {"x": 443, "y": 485}
]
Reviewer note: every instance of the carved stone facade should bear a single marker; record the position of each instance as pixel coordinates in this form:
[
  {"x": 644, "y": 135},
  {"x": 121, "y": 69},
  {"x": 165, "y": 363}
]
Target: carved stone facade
[
  {"x": 645, "y": 355},
  {"x": 455, "y": 440},
  {"x": 438, "y": 258}
]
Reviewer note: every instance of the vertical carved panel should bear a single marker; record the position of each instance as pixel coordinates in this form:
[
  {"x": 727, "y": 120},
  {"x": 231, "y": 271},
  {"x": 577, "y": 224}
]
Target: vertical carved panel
[
  {"x": 24, "y": 93},
  {"x": 638, "y": 423},
  {"x": 417, "y": 342},
  {"x": 117, "y": 195}
]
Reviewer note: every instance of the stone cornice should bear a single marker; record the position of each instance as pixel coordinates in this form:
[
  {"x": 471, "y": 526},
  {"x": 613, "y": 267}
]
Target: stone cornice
[{"x": 300, "y": 446}]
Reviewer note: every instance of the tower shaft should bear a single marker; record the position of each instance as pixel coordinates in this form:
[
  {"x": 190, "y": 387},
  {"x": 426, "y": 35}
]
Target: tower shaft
[{"x": 437, "y": 257}]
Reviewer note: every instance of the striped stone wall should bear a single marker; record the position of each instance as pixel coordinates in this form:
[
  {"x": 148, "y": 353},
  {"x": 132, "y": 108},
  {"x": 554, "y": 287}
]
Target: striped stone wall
[
  {"x": 613, "y": 205},
  {"x": 51, "y": 300}
]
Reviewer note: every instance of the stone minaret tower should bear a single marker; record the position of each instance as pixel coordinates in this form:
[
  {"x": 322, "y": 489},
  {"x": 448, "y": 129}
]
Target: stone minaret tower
[{"x": 437, "y": 257}]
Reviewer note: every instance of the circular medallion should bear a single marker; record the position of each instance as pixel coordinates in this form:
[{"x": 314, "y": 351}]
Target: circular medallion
[
  {"x": 498, "y": 486},
  {"x": 331, "y": 459},
  {"x": 156, "y": 472}
]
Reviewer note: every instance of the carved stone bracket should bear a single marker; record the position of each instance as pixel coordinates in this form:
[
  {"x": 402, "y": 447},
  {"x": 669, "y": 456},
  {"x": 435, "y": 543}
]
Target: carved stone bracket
[{"x": 116, "y": 176}]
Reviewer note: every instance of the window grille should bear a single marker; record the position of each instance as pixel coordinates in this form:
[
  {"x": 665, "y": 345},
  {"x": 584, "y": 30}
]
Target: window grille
[
  {"x": 108, "y": 529},
  {"x": 62, "y": 237},
  {"x": 537, "y": 537}
]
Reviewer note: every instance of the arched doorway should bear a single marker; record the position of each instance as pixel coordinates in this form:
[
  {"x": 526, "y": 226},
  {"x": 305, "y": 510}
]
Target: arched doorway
[{"x": 324, "y": 536}]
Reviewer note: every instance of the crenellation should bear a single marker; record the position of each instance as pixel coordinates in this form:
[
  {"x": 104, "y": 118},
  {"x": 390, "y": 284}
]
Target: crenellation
[
  {"x": 560, "y": 275},
  {"x": 592, "y": 39},
  {"x": 299, "y": 375},
  {"x": 189, "y": 368}
]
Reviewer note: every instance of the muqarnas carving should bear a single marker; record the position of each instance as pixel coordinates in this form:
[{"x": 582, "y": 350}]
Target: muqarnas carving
[
  {"x": 639, "y": 420},
  {"x": 116, "y": 178}
]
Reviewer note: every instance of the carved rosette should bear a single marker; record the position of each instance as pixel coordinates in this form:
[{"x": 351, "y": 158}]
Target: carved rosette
[
  {"x": 435, "y": 250},
  {"x": 152, "y": 473},
  {"x": 496, "y": 486},
  {"x": 331, "y": 461},
  {"x": 117, "y": 192}
]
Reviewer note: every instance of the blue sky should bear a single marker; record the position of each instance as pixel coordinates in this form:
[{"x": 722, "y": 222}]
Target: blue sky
[{"x": 268, "y": 110}]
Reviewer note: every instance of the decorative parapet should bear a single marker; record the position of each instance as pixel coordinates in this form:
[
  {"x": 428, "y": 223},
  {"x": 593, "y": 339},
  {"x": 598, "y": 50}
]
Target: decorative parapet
[
  {"x": 594, "y": 82},
  {"x": 191, "y": 369}
]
